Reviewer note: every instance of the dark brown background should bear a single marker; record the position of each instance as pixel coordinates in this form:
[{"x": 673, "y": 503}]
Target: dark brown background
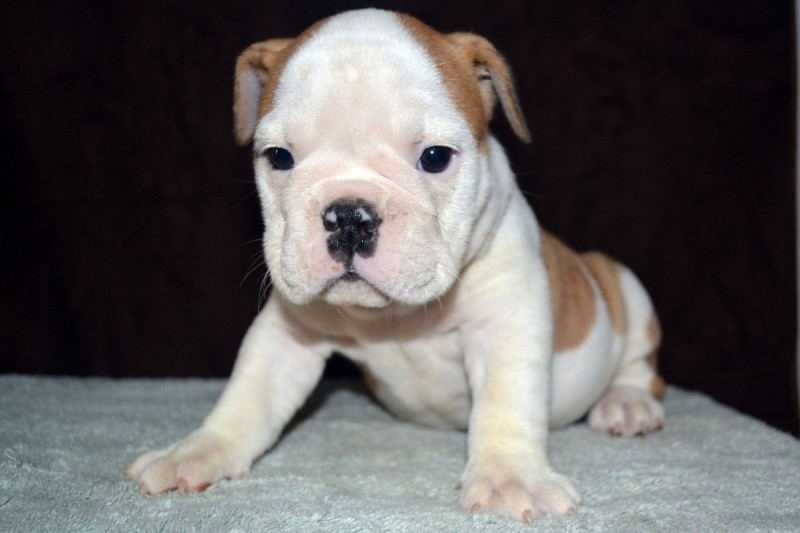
[{"x": 663, "y": 135}]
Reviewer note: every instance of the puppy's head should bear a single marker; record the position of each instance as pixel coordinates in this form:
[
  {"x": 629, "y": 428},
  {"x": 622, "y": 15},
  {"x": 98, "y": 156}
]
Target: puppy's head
[{"x": 370, "y": 145}]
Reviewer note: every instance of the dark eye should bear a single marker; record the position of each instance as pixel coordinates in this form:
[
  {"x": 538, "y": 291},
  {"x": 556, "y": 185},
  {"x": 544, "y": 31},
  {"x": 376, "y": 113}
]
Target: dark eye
[
  {"x": 435, "y": 159},
  {"x": 279, "y": 158}
]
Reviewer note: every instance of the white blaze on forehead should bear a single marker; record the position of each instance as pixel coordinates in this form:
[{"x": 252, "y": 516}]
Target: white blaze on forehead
[{"x": 366, "y": 70}]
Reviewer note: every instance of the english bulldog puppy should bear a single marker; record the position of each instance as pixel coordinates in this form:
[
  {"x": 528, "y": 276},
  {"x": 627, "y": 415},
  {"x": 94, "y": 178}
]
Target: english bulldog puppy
[{"x": 395, "y": 233}]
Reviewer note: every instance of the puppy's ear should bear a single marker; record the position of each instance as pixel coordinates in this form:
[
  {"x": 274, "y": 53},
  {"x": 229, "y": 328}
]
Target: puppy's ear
[
  {"x": 255, "y": 68},
  {"x": 493, "y": 78}
]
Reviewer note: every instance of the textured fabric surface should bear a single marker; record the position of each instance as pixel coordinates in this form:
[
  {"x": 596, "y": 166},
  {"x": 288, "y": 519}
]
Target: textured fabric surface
[{"x": 346, "y": 465}]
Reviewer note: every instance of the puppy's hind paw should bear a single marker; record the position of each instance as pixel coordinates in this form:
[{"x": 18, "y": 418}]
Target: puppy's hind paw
[{"x": 627, "y": 411}]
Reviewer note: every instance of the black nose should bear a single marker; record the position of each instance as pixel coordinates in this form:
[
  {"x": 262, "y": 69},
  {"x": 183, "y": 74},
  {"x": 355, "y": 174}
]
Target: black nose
[{"x": 353, "y": 227}]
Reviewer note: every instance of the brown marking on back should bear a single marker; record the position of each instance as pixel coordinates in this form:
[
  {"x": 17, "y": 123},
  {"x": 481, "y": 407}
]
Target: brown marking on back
[
  {"x": 369, "y": 379},
  {"x": 606, "y": 273},
  {"x": 657, "y": 385},
  {"x": 571, "y": 293},
  {"x": 473, "y": 72},
  {"x": 654, "y": 331}
]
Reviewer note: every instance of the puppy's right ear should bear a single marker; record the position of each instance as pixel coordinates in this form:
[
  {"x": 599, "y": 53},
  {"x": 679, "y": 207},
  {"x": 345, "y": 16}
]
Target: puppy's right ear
[{"x": 256, "y": 69}]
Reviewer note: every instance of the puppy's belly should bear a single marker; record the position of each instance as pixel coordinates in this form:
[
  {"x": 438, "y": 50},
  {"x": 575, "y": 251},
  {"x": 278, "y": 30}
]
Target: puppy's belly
[
  {"x": 422, "y": 381},
  {"x": 425, "y": 381}
]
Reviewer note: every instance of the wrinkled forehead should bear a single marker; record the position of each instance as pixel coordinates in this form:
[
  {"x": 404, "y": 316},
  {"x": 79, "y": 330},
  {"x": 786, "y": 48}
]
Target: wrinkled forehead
[{"x": 366, "y": 67}]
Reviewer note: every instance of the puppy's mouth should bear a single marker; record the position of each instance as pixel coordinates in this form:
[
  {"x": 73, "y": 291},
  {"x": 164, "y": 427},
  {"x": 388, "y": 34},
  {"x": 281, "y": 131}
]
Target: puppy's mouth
[
  {"x": 351, "y": 289},
  {"x": 350, "y": 274}
]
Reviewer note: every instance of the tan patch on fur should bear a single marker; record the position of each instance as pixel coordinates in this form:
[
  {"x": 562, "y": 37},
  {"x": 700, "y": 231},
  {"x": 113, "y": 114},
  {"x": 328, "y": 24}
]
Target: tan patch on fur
[
  {"x": 369, "y": 379},
  {"x": 494, "y": 79},
  {"x": 606, "y": 273},
  {"x": 657, "y": 385},
  {"x": 258, "y": 70},
  {"x": 654, "y": 332},
  {"x": 472, "y": 69},
  {"x": 256, "y": 67},
  {"x": 474, "y": 72},
  {"x": 571, "y": 294}
]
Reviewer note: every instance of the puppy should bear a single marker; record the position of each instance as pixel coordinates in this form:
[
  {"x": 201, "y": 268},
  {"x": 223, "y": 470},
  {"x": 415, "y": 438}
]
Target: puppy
[{"x": 396, "y": 234}]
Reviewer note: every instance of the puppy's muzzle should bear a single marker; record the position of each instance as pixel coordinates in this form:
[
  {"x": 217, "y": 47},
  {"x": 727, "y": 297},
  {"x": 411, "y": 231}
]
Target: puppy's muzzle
[{"x": 352, "y": 225}]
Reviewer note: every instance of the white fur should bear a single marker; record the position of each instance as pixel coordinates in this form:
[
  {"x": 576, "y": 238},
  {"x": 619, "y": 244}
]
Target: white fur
[
  {"x": 452, "y": 315},
  {"x": 394, "y": 104}
]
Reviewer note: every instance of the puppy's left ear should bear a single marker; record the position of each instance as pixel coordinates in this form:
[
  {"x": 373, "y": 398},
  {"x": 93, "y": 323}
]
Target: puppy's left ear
[
  {"x": 255, "y": 68},
  {"x": 493, "y": 78}
]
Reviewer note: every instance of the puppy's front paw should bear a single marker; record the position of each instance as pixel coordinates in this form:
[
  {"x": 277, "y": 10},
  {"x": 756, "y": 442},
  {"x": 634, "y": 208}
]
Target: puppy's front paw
[
  {"x": 627, "y": 411},
  {"x": 518, "y": 489},
  {"x": 190, "y": 465}
]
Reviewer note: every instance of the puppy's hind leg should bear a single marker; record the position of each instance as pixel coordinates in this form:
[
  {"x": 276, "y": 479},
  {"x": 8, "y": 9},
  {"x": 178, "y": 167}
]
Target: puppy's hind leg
[{"x": 632, "y": 404}]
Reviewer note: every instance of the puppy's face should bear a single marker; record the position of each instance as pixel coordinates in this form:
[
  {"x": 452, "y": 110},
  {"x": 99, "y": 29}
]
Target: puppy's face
[{"x": 369, "y": 157}]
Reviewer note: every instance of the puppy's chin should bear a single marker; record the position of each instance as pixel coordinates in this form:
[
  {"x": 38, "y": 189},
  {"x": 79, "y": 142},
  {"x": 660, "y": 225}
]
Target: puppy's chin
[{"x": 355, "y": 293}]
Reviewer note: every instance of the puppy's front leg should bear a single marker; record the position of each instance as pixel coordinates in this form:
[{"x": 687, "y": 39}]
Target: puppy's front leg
[
  {"x": 273, "y": 376},
  {"x": 508, "y": 363}
]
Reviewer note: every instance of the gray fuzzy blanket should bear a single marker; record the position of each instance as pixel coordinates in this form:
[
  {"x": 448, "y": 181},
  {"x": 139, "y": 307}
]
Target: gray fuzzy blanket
[{"x": 346, "y": 465}]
